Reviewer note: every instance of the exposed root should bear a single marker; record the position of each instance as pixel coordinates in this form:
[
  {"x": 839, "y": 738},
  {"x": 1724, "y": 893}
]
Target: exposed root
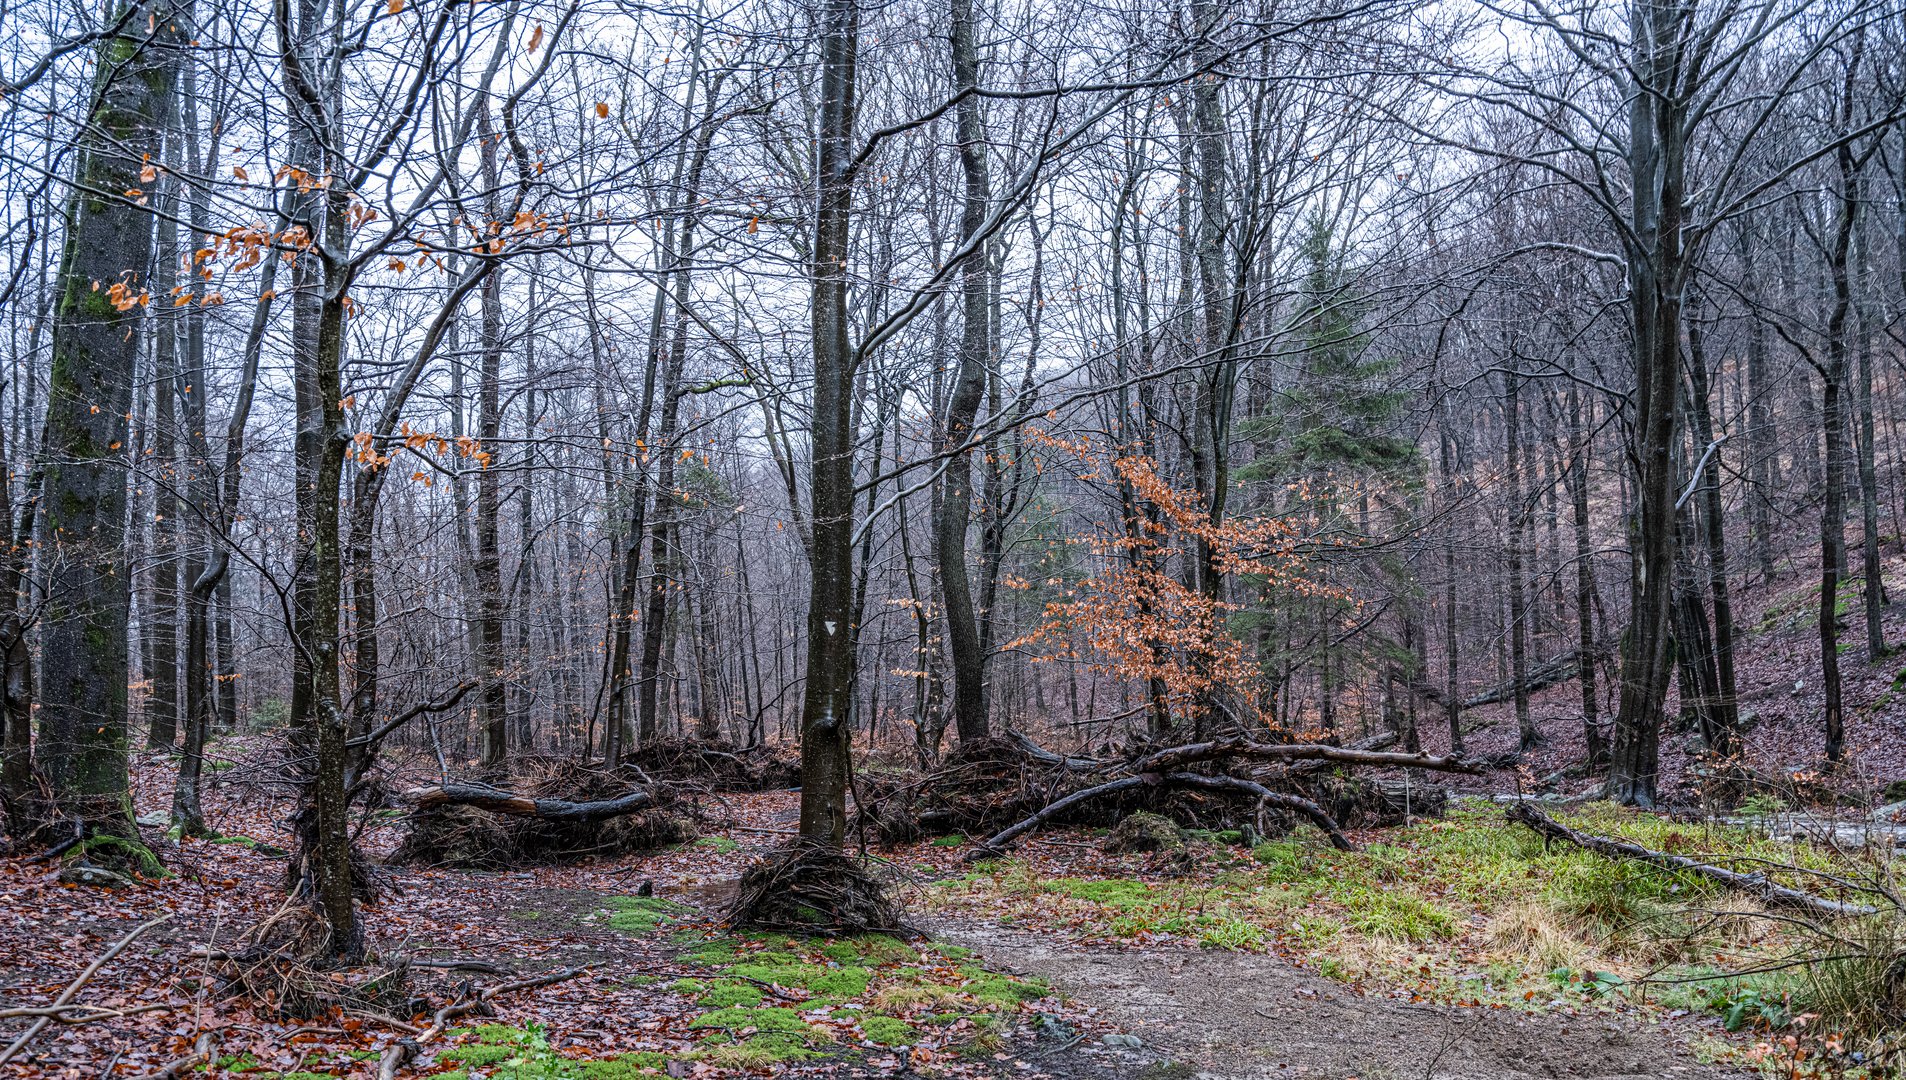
[
  {"x": 283, "y": 963},
  {"x": 815, "y": 888}
]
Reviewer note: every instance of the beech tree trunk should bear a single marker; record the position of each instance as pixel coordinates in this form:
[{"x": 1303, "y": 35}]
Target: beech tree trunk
[
  {"x": 83, "y": 722},
  {"x": 968, "y": 656},
  {"x": 827, "y": 703}
]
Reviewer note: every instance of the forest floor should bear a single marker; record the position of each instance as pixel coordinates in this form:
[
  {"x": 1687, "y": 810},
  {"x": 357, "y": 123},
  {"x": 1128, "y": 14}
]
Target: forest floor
[
  {"x": 1456, "y": 948},
  {"x": 1777, "y": 661}
]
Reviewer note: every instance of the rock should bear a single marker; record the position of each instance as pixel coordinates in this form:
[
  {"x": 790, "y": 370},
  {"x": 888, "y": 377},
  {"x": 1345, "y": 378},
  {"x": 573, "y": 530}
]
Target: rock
[
  {"x": 79, "y": 873},
  {"x": 1143, "y": 831},
  {"x": 158, "y": 819},
  {"x": 1126, "y": 1042}
]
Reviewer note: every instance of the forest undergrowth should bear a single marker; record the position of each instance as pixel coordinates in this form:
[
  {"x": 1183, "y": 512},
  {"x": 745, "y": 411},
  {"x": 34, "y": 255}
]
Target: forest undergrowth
[{"x": 1468, "y": 911}]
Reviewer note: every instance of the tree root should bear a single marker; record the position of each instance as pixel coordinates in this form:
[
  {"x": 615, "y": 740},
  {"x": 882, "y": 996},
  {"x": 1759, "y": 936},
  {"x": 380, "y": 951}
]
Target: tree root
[{"x": 815, "y": 888}]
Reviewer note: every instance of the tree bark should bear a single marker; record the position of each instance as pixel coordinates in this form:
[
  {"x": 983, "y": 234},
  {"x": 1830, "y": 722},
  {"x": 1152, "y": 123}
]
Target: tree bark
[
  {"x": 84, "y": 667},
  {"x": 954, "y": 509},
  {"x": 826, "y": 720}
]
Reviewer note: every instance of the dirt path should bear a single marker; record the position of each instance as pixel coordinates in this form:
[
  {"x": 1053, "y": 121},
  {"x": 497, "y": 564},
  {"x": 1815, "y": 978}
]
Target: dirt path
[{"x": 1237, "y": 1015}]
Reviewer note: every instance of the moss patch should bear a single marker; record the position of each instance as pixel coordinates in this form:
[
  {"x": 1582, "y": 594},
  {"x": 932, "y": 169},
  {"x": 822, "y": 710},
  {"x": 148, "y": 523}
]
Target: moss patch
[
  {"x": 641, "y": 914},
  {"x": 119, "y": 853},
  {"x": 524, "y": 1053}
]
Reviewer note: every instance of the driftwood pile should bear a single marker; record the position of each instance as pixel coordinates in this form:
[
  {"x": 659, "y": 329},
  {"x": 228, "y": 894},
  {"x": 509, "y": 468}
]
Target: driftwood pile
[{"x": 1005, "y": 787}]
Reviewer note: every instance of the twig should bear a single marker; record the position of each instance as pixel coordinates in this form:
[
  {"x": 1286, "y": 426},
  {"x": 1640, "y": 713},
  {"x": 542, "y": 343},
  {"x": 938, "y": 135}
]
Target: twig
[
  {"x": 404, "y": 1051},
  {"x": 203, "y": 1049},
  {"x": 74, "y": 988},
  {"x": 484, "y": 966},
  {"x": 91, "y": 1014}
]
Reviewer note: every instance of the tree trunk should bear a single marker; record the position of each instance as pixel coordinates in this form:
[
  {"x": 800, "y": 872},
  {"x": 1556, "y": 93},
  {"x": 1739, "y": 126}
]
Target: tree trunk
[
  {"x": 83, "y": 642},
  {"x": 1527, "y": 736},
  {"x": 1657, "y": 271},
  {"x": 968, "y": 657},
  {"x": 1595, "y": 737},
  {"x": 162, "y": 613},
  {"x": 1723, "y": 713},
  {"x": 493, "y": 692},
  {"x": 826, "y": 723}
]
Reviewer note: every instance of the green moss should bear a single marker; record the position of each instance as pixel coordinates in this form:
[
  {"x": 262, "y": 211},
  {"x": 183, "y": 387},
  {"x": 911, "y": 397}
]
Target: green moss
[
  {"x": 639, "y": 1063},
  {"x": 714, "y": 951},
  {"x": 721, "y": 845},
  {"x": 720, "y": 994},
  {"x": 480, "y": 1053},
  {"x": 758, "y": 1052},
  {"x": 888, "y": 1031},
  {"x": 874, "y": 948},
  {"x": 949, "y": 841},
  {"x": 641, "y": 914},
  {"x": 526, "y": 1053},
  {"x": 119, "y": 853},
  {"x": 841, "y": 983},
  {"x": 1001, "y": 989}
]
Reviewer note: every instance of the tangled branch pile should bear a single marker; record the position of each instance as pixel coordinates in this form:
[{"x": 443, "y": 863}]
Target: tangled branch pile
[
  {"x": 537, "y": 810},
  {"x": 718, "y": 766},
  {"x": 815, "y": 888},
  {"x": 1003, "y": 787}
]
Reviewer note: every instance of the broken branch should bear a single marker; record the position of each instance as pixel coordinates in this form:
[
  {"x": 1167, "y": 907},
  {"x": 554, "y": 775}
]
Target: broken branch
[{"x": 1753, "y": 884}]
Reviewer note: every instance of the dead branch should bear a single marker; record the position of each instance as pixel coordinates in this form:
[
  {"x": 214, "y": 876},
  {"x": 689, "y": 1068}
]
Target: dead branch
[
  {"x": 78, "y": 1014},
  {"x": 1752, "y": 884},
  {"x": 73, "y": 988},
  {"x": 993, "y": 845},
  {"x": 204, "y": 1049},
  {"x": 498, "y": 801},
  {"x": 1178, "y": 756},
  {"x": 1266, "y": 797},
  {"x": 404, "y": 1051},
  {"x": 1048, "y": 757}
]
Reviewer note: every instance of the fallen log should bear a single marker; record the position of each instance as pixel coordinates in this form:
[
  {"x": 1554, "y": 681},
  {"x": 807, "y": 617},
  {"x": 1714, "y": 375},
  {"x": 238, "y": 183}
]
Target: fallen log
[
  {"x": 1544, "y": 675},
  {"x": 1177, "y": 756},
  {"x": 1752, "y": 884},
  {"x": 498, "y": 801},
  {"x": 1382, "y": 740},
  {"x": 993, "y": 845},
  {"x": 1050, "y": 757}
]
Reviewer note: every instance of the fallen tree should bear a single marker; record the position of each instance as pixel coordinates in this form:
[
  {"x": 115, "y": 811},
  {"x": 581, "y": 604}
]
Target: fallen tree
[
  {"x": 1757, "y": 885},
  {"x": 498, "y": 801},
  {"x": 1046, "y": 787},
  {"x": 536, "y": 810}
]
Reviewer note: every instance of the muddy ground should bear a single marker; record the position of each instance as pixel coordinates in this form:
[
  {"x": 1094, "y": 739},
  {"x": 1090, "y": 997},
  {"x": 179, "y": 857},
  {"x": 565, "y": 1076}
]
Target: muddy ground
[{"x": 1242, "y": 1015}]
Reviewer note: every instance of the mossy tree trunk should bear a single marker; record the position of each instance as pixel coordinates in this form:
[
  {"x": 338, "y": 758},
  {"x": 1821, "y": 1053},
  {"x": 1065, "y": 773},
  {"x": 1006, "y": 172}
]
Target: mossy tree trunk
[{"x": 104, "y": 269}]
